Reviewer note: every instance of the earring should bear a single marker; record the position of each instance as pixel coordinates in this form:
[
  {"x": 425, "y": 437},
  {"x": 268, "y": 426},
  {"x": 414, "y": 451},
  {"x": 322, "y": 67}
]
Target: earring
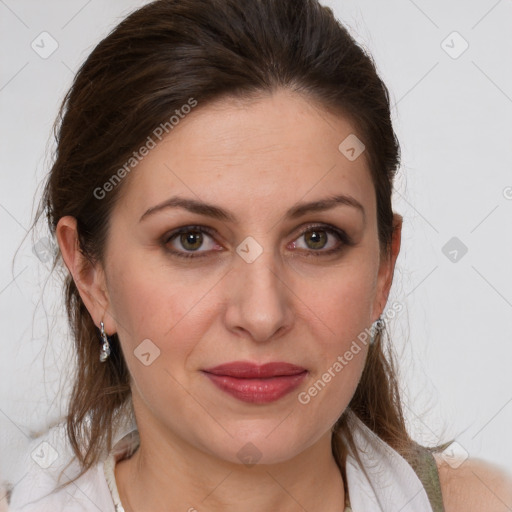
[
  {"x": 375, "y": 328},
  {"x": 105, "y": 347}
]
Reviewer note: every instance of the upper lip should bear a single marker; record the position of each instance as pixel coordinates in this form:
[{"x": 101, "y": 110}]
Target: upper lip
[{"x": 248, "y": 370}]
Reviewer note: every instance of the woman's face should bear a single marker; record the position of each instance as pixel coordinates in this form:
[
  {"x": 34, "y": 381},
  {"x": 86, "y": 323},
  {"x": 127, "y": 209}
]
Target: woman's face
[{"x": 256, "y": 276}]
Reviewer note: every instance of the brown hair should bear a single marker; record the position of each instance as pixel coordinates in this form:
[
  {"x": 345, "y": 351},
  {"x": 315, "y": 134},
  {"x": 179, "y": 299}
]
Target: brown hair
[{"x": 149, "y": 66}]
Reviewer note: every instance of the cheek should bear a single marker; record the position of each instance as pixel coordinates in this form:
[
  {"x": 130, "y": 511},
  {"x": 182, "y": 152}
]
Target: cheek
[
  {"x": 341, "y": 341},
  {"x": 158, "y": 305},
  {"x": 343, "y": 301}
]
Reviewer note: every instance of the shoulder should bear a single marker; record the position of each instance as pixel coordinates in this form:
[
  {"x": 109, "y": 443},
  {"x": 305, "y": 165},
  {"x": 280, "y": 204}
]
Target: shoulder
[{"x": 474, "y": 486}]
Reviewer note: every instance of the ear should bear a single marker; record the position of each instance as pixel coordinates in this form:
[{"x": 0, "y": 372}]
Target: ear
[
  {"x": 89, "y": 277},
  {"x": 387, "y": 268}
]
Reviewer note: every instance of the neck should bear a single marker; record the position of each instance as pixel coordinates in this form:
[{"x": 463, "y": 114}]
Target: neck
[{"x": 162, "y": 474}]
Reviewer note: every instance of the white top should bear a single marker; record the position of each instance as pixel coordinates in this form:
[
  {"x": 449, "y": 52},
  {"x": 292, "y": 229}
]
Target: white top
[{"x": 386, "y": 482}]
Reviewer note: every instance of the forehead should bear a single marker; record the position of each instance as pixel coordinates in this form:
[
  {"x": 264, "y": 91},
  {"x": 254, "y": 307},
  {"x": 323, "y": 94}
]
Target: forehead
[{"x": 274, "y": 150}]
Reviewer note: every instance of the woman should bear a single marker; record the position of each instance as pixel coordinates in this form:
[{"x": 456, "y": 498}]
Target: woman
[{"x": 221, "y": 197}]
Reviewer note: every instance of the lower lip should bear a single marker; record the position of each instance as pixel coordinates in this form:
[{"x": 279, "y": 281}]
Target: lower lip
[{"x": 257, "y": 391}]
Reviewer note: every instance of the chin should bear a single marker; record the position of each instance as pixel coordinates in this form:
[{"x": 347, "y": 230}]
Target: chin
[{"x": 266, "y": 443}]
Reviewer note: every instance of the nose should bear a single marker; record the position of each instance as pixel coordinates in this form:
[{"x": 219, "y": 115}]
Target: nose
[{"x": 259, "y": 300}]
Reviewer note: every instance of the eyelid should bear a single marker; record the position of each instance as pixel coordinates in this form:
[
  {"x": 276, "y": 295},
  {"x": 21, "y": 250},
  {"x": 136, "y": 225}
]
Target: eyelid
[
  {"x": 344, "y": 239},
  {"x": 189, "y": 227},
  {"x": 326, "y": 227}
]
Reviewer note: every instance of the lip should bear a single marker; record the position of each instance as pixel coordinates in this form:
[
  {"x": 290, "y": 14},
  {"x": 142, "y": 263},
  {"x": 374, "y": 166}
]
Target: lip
[
  {"x": 248, "y": 370},
  {"x": 255, "y": 383}
]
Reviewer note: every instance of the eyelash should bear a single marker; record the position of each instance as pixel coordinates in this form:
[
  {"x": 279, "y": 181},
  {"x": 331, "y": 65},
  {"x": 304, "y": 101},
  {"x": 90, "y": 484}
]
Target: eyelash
[{"x": 340, "y": 234}]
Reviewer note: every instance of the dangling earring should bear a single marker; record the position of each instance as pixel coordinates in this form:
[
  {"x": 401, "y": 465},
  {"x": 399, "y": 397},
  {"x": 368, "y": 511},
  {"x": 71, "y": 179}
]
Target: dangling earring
[
  {"x": 105, "y": 347},
  {"x": 375, "y": 328}
]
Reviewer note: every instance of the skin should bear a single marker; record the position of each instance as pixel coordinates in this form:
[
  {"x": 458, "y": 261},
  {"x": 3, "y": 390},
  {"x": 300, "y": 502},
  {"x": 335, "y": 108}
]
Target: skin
[
  {"x": 256, "y": 159},
  {"x": 474, "y": 486}
]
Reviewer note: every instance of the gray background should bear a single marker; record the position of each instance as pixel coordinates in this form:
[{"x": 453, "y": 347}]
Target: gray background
[{"x": 452, "y": 112}]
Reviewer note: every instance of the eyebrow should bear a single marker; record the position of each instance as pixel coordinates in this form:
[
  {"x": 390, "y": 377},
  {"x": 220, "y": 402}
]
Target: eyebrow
[{"x": 216, "y": 212}]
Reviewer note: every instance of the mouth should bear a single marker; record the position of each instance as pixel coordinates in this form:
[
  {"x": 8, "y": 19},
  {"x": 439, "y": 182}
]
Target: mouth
[{"x": 258, "y": 384}]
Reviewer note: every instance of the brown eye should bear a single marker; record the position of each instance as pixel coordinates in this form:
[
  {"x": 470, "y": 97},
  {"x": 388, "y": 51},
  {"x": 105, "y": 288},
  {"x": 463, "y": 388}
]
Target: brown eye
[
  {"x": 316, "y": 239},
  {"x": 322, "y": 240},
  {"x": 191, "y": 240}
]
